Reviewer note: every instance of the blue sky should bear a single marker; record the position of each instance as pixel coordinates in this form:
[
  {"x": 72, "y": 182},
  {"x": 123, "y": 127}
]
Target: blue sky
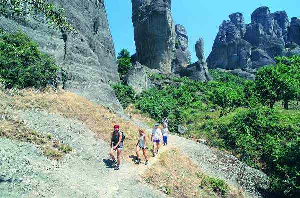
[{"x": 200, "y": 17}]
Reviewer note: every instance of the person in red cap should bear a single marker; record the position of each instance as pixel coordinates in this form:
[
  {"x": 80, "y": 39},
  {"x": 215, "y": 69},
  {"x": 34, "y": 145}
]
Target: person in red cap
[{"x": 116, "y": 144}]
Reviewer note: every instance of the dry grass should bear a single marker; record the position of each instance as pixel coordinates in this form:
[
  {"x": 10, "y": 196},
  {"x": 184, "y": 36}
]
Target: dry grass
[
  {"x": 97, "y": 118},
  {"x": 12, "y": 129},
  {"x": 138, "y": 115},
  {"x": 177, "y": 176}
]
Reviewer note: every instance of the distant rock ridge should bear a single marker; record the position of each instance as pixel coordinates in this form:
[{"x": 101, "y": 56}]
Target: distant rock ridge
[{"x": 251, "y": 46}]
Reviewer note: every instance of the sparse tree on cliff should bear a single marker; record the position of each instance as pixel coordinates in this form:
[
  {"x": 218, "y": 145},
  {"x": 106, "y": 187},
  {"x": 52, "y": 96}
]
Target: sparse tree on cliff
[{"x": 19, "y": 8}]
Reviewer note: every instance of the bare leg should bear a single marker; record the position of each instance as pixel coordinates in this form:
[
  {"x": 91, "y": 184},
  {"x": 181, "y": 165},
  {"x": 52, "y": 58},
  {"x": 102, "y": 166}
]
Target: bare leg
[
  {"x": 111, "y": 153},
  {"x": 144, "y": 153},
  {"x": 154, "y": 148},
  {"x": 137, "y": 152},
  {"x": 119, "y": 152}
]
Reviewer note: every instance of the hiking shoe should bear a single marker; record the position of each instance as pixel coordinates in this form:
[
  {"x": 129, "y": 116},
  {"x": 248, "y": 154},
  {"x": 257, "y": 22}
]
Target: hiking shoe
[
  {"x": 117, "y": 167},
  {"x": 138, "y": 161},
  {"x": 146, "y": 163},
  {"x": 113, "y": 163}
]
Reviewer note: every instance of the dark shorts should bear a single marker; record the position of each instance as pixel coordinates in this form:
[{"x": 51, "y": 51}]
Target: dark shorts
[
  {"x": 120, "y": 147},
  {"x": 156, "y": 141}
]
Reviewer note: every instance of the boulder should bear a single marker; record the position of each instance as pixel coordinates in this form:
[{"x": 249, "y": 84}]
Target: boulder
[
  {"x": 138, "y": 79},
  {"x": 230, "y": 51},
  {"x": 88, "y": 57},
  {"x": 182, "y": 53},
  {"x": 282, "y": 20},
  {"x": 199, "y": 48},
  {"x": 238, "y": 20},
  {"x": 198, "y": 70},
  {"x": 294, "y": 31},
  {"x": 260, "y": 57},
  {"x": 154, "y": 33}
]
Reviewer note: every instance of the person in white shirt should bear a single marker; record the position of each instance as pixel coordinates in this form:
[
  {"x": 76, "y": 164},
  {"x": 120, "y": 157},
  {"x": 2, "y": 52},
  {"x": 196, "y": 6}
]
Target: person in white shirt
[
  {"x": 165, "y": 132},
  {"x": 156, "y": 138}
]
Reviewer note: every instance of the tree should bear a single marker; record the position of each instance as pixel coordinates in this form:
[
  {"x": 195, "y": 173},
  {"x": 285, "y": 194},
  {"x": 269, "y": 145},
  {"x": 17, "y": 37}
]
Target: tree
[
  {"x": 279, "y": 82},
  {"x": 227, "y": 96},
  {"x": 17, "y": 8},
  {"x": 124, "y": 63},
  {"x": 23, "y": 65}
]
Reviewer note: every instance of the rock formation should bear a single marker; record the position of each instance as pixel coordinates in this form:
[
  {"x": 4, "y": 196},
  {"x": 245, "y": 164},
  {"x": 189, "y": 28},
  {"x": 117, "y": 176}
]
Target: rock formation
[
  {"x": 182, "y": 56},
  {"x": 294, "y": 31},
  {"x": 198, "y": 70},
  {"x": 154, "y": 33},
  {"x": 248, "y": 47},
  {"x": 138, "y": 78},
  {"x": 89, "y": 61}
]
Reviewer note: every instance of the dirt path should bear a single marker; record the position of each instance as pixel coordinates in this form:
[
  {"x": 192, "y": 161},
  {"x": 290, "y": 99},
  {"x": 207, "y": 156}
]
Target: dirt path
[{"x": 25, "y": 172}]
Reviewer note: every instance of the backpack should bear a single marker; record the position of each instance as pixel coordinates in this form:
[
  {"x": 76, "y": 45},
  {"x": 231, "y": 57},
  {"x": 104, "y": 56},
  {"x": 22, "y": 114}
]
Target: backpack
[
  {"x": 123, "y": 136},
  {"x": 115, "y": 138}
]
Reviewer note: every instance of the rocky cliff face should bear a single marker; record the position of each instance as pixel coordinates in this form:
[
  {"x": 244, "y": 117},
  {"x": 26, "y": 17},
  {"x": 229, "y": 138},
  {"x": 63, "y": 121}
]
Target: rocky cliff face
[
  {"x": 154, "y": 33},
  {"x": 250, "y": 46},
  {"x": 89, "y": 59}
]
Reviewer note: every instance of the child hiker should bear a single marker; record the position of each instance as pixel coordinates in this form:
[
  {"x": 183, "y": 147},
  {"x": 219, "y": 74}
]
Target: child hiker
[
  {"x": 141, "y": 145},
  {"x": 165, "y": 132},
  {"x": 156, "y": 138}
]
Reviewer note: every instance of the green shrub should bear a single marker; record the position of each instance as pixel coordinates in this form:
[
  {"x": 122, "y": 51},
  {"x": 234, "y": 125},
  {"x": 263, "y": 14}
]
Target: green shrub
[
  {"x": 263, "y": 139},
  {"x": 124, "y": 63},
  {"x": 125, "y": 94},
  {"x": 216, "y": 185},
  {"x": 23, "y": 65}
]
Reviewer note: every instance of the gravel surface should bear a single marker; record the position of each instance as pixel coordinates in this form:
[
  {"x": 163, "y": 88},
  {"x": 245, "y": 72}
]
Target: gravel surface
[
  {"x": 25, "y": 172},
  {"x": 221, "y": 165}
]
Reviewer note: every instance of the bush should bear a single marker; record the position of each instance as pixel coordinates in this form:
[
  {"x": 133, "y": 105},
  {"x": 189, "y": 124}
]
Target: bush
[
  {"x": 124, "y": 63},
  {"x": 23, "y": 65},
  {"x": 125, "y": 94},
  {"x": 263, "y": 140}
]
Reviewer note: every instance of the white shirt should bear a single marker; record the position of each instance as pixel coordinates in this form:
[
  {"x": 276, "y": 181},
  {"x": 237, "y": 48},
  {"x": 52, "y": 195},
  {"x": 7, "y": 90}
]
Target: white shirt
[
  {"x": 165, "y": 131},
  {"x": 156, "y": 133}
]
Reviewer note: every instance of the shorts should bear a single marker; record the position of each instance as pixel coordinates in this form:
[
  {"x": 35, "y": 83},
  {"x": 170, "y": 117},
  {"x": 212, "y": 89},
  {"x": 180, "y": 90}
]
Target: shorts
[
  {"x": 156, "y": 141},
  {"x": 120, "y": 147}
]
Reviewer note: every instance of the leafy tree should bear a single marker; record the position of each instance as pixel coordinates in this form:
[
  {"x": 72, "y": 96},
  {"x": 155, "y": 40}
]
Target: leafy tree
[
  {"x": 279, "y": 82},
  {"x": 227, "y": 96},
  {"x": 124, "y": 63},
  {"x": 17, "y": 8},
  {"x": 23, "y": 65}
]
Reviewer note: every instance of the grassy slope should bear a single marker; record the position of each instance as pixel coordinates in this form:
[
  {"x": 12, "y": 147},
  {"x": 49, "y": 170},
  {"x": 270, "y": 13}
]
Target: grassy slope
[{"x": 100, "y": 120}]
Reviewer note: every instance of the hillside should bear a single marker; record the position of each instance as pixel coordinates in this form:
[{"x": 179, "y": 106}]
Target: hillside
[{"x": 84, "y": 127}]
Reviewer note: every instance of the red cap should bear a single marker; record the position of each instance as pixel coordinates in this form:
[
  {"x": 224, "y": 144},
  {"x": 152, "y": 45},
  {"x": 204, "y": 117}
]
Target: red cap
[{"x": 116, "y": 127}]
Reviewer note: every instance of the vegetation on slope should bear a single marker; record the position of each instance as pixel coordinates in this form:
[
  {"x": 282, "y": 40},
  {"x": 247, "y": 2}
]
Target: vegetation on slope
[
  {"x": 230, "y": 113},
  {"x": 23, "y": 65}
]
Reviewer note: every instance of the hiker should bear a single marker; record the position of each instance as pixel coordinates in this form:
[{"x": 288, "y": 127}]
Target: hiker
[
  {"x": 165, "y": 132},
  {"x": 116, "y": 144},
  {"x": 141, "y": 145},
  {"x": 156, "y": 137},
  {"x": 165, "y": 121}
]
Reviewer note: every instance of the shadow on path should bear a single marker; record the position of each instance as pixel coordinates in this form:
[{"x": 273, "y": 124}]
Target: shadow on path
[{"x": 108, "y": 163}]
